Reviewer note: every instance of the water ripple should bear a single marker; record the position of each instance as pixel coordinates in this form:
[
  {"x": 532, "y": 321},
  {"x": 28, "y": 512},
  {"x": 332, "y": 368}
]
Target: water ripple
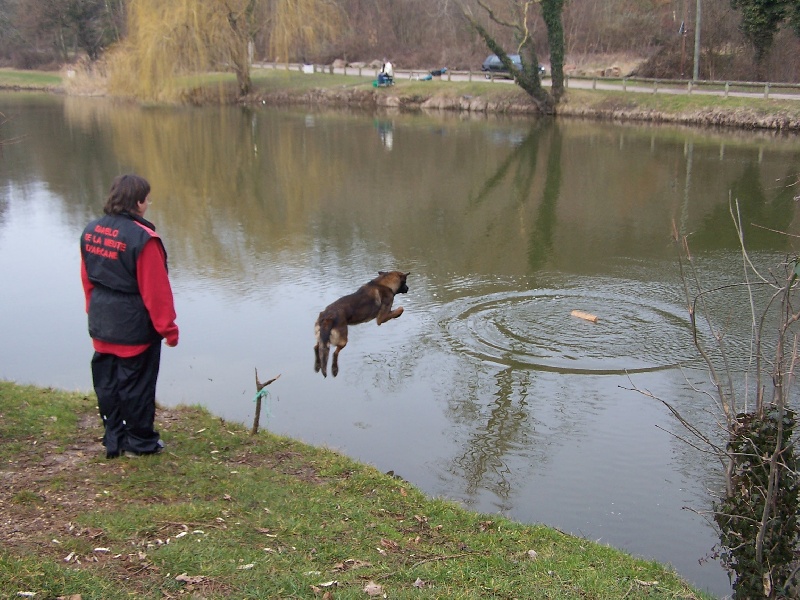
[{"x": 535, "y": 329}]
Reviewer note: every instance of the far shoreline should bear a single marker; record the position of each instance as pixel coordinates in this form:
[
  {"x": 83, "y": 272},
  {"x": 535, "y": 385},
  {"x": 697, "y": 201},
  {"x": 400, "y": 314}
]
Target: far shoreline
[
  {"x": 292, "y": 88},
  {"x": 749, "y": 114}
]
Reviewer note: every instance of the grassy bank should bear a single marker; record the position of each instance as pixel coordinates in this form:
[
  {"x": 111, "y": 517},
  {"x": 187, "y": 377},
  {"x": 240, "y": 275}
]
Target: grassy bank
[
  {"x": 225, "y": 514},
  {"x": 29, "y": 80},
  {"x": 279, "y": 86},
  {"x": 479, "y": 95}
]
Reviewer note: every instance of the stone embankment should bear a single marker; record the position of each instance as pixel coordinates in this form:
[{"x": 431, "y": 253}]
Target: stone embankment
[
  {"x": 743, "y": 118},
  {"x": 739, "y": 118}
]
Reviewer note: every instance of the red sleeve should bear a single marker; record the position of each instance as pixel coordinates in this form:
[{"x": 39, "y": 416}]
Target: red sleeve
[
  {"x": 88, "y": 286},
  {"x": 154, "y": 286}
]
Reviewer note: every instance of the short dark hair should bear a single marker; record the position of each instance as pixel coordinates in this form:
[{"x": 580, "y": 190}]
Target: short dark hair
[{"x": 127, "y": 191}]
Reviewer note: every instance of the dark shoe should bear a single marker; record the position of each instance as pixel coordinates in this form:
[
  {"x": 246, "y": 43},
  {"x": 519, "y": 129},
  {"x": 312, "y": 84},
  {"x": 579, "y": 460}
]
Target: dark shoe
[
  {"x": 110, "y": 455},
  {"x": 159, "y": 449},
  {"x": 132, "y": 454}
]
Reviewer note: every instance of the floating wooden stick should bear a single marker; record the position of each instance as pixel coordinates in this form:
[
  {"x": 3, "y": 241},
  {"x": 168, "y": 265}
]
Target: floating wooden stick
[
  {"x": 259, "y": 394},
  {"x": 584, "y": 315}
]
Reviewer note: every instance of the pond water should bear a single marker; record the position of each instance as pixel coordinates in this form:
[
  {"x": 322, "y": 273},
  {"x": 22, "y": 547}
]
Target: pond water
[{"x": 486, "y": 391}]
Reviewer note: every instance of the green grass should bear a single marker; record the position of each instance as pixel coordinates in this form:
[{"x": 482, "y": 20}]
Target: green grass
[
  {"x": 679, "y": 103},
  {"x": 12, "y": 78},
  {"x": 225, "y": 514}
]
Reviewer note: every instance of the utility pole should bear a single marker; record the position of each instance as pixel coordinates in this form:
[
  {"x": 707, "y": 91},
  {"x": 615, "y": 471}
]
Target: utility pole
[
  {"x": 697, "y": 21},
  {"x": 682, "y": 32}
]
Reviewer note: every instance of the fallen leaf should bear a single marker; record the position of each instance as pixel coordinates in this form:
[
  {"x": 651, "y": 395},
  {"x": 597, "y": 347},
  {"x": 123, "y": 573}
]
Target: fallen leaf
[
  {"x": 327, "y": 584},
  {"x": 192, "y": 579},
  {"x": 646, "y": 583},
  {"x": 246, "y": 567},
  {"x": 532, "y": 554},
  {"x": 373, "y": 589},
  {"x": 389, "y": 544},
  {"x": 267, "y": 533},
  {"x": 419, "y": 583},
  {"x": 350, "y": 563}
]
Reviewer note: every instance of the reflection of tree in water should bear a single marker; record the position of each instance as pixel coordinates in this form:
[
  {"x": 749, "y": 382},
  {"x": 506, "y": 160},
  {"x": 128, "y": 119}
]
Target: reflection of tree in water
[
  {"x": 246, "y": 177},
  {"x": 541, "y": 240},
  {"x": 507, "y": 424},
  {"x": 760, "y": 214},
  {"x": 496, "y": 433},
  {"x": 521, "y": 167}
]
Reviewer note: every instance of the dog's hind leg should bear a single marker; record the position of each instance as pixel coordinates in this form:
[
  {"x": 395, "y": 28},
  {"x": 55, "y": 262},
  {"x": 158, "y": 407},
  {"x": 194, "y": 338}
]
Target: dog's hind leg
[
  {"x": 339, "y": 339},
  {"x": 321, "y": 358},
  {"x": 322, "y": 347},
  {"x": 335, "y": 363}
]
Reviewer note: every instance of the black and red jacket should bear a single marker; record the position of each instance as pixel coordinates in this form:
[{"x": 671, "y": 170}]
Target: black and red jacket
[{"x": 128, "y": 295}]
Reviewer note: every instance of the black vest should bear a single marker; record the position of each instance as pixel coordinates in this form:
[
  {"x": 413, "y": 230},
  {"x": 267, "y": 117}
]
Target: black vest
[{"x": 110, "y": 247}]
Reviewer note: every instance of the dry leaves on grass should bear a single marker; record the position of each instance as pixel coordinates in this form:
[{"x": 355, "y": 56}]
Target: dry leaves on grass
[
  {"x": 321, "y": 588},
  {"x": 190, "y": 579},
  {"x": 350, "y": 563},
  {"x": 389, "y": 545},
  {"x": 373, "y": 589}
]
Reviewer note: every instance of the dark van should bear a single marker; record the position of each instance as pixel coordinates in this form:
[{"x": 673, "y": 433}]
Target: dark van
[{"x": 493, "y": 67}]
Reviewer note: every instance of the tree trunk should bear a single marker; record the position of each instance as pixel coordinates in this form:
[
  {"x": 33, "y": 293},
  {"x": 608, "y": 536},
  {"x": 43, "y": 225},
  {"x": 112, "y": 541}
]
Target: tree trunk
[
  {"x": 528, "y": 78},
  {"x": 551, "y": 12}
]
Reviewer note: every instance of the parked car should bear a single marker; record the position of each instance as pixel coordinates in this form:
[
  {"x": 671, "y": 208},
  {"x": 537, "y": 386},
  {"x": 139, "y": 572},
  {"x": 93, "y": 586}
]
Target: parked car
[{"x": 493, "y": 66}]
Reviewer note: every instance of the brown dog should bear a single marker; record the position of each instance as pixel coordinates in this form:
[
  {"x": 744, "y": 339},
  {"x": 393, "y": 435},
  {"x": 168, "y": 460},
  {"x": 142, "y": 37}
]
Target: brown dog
[{"x": 372, "y": 300}]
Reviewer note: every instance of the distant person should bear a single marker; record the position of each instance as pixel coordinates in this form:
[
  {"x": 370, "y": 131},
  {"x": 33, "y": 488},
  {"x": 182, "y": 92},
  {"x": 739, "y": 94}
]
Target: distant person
[
  {"x": 130, "y": 306},
  {"x": 386, "y": 75}
]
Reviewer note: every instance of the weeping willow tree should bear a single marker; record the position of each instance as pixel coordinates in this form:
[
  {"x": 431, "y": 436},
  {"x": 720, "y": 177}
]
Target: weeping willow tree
[{"x": 167, "y": 40}]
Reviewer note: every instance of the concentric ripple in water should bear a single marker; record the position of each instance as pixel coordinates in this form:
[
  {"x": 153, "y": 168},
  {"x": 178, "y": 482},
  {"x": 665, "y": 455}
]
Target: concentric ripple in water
[{"x": 536, "y": 330}]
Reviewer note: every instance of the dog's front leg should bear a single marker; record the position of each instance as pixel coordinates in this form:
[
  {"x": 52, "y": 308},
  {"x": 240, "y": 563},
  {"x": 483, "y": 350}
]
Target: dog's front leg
[{"x": 389, "y": 315}]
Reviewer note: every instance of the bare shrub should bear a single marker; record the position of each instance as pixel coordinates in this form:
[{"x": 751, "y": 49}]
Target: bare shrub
[{"x": 756, "y": 513}]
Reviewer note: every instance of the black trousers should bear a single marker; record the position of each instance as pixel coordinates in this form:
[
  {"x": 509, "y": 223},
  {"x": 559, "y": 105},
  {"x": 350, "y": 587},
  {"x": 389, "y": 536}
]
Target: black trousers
[{"x": 126, "y": 398}]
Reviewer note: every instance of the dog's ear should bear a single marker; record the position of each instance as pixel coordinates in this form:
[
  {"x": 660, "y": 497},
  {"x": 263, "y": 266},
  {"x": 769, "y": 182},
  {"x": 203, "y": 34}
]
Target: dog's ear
[
  {"x": 381, "y": 272},
  {"x": 406, "y": 274}
]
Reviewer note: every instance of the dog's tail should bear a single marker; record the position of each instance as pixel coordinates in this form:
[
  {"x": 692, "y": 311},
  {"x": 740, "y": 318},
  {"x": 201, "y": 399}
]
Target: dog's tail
[{"x": 323, "y": 345}]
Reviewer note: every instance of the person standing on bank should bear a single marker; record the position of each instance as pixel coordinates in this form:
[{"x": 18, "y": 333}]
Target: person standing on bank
[{"x": 131, "y": 309}]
